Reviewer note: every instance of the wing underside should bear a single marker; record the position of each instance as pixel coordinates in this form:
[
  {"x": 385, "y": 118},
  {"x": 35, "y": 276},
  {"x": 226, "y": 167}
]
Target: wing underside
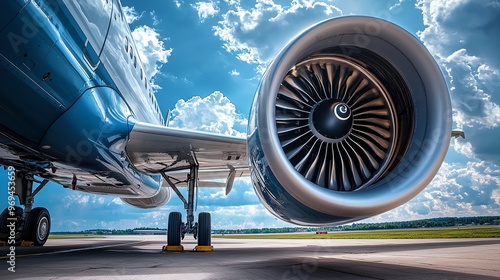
[{"x": 158, "y": 149}]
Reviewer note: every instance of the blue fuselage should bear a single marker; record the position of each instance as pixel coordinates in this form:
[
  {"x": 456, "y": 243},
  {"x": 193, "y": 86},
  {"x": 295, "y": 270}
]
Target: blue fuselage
[{"x": 73, "y": 86}]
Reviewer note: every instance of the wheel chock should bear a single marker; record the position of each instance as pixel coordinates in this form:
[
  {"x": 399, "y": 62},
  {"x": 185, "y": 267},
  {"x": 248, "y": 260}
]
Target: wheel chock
[
  {"x": 173, "y": 248},
  {"x": 27, "y": 244},
  {"x": 208, "y": 248}
]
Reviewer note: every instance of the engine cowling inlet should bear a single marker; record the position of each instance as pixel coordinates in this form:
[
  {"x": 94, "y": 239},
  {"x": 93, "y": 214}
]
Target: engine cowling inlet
[
  {"x": 159, "y": 199},
  {"x": 351, "y": 119}
]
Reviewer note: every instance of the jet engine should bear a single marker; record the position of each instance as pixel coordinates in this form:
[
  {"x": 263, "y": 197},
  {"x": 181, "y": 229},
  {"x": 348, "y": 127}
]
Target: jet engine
[
  {"x": 159, "y": 199},
  {"x": 351, "y": 119}
]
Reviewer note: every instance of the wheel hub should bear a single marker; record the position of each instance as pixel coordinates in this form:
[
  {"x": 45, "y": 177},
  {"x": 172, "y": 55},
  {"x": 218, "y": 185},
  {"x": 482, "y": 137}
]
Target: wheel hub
[{"x": 43, "y": 228}]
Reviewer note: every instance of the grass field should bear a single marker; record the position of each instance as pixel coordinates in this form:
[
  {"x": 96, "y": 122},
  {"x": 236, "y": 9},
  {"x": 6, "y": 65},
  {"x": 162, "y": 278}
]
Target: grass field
[{"x": 476, "y": 232}]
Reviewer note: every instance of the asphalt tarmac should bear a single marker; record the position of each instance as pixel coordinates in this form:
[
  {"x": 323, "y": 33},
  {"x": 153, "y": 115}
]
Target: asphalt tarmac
[{"x": 140, "y": 257}]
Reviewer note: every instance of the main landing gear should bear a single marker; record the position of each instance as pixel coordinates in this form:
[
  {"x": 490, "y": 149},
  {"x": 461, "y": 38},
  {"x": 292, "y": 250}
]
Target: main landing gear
[
  {"x": 28, "y": 226},
  {"x": 177, "y": 229}
]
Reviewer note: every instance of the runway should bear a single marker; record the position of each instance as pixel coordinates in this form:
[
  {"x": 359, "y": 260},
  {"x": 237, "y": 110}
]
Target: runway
[{"x": 140, "y": 257}]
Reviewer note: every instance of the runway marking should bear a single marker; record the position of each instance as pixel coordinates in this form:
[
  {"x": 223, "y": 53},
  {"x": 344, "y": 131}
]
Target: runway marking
[{"x": 75, "y": 250}]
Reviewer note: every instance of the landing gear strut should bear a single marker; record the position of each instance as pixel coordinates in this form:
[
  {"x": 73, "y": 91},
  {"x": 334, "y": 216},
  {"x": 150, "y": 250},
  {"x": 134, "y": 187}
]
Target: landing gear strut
[
  {"x": 28, "y": 226},
  {"x": 177, "y": 229}
]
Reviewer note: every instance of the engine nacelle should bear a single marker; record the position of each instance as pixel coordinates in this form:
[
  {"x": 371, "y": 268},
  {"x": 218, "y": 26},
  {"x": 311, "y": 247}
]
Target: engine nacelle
[
  {"x": 159, "y": 199},
  {"x": 351, "y": 119}
]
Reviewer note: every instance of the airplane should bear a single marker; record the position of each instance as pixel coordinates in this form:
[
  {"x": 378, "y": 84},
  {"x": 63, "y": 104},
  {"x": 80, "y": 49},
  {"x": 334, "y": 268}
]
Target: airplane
[{"x": 351, "y": 119}]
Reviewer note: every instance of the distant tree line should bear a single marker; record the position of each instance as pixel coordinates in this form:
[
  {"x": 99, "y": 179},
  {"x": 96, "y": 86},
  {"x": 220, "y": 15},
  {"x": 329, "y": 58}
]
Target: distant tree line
[
  {"x": 426, "y": 223},
  {"x": 111, "y": 231}
]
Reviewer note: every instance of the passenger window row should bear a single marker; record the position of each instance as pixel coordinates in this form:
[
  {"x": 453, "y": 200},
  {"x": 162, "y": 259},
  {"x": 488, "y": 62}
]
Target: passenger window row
[{"x": 129, "y": 49}]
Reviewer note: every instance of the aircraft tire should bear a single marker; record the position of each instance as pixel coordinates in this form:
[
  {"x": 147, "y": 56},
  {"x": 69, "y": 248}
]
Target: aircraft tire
[
  {"x": 174, "y": 229},
  {"x": 204, "y": 229},
  {"x": 37, "y": 226}
]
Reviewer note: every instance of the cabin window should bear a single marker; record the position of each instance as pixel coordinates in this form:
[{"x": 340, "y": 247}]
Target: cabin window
[
  {"x": 131, "y": 52},
  {"x": 135, "y": 61},
  {"x": 126, "y": 44},
  {"x": 142, "y": 74}
]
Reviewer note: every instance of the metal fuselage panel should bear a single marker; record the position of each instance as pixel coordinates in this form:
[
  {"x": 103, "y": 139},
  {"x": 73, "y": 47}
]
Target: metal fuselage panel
[{"x": 72, "y": 88}]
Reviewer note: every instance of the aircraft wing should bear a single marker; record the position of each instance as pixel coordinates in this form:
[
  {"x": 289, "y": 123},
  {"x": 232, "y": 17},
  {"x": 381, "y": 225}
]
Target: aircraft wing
[{"x": 155, "y": 149}]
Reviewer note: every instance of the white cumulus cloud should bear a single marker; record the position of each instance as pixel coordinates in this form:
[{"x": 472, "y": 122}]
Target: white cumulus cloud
[
  {"x": 131, "y": 14},
  {"x": 458, "y": 190},
  {"x": 214, "y": 113},
  {"x": 151, "y": 49},
  {"x": 462, "y": 35},
  {"x": 255, "y": 34},
  {"x": 154, "y": 17},
  {"x": 205, "y": 9}
]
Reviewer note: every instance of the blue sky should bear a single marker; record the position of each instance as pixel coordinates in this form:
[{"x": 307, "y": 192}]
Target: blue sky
[{"x": 206, "y": 59}]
